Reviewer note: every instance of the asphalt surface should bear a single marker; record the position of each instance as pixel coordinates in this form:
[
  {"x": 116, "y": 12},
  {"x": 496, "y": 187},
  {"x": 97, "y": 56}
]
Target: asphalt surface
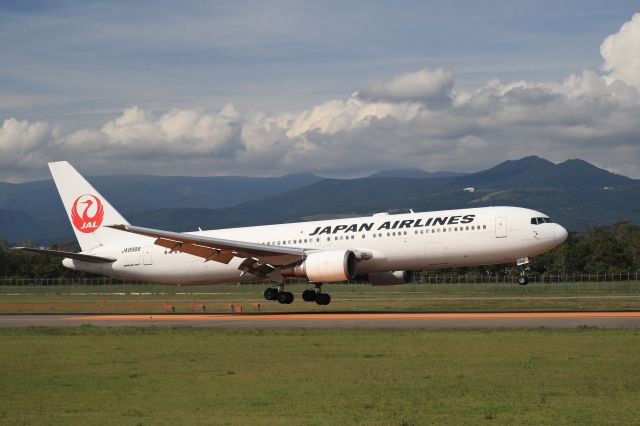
[{"x": 564, "y": 319}]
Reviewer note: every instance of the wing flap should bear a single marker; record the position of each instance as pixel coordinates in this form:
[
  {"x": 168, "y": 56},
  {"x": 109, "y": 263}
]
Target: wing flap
[
  {"x": 207, "y": 253},
  {"x": 217, "y": 249}
]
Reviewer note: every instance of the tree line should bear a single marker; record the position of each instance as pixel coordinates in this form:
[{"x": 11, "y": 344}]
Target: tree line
[{"x": 602, "y": 249}]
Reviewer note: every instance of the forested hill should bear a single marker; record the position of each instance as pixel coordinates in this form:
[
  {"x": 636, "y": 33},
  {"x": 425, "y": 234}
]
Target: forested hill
[{"x": 574, "y": 193}]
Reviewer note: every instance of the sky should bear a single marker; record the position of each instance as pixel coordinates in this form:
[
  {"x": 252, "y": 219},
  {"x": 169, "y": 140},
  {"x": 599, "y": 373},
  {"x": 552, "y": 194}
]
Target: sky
[{"x": 340, "y": 89}]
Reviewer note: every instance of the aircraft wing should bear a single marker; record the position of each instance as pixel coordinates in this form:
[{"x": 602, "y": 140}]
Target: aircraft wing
[
  {"x": 67, "y": 254},
  {"x": 220, "y": 250}
]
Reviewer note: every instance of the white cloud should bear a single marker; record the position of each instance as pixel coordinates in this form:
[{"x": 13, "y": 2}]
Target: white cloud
[
  {"x": 418, "y": 119},
  {"x": 22, "y": 144},
  {"x": 338, "y": 116},
  {"x": 176, "y": 134},
  {"x": 621, "y": 53},
  {"x": 582, "y": 116},
  {"x": 433, "y": 86}
]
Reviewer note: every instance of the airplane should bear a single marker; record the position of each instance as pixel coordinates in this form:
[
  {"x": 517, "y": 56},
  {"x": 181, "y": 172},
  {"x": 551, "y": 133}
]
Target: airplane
[{"x": 382, "y": 249}]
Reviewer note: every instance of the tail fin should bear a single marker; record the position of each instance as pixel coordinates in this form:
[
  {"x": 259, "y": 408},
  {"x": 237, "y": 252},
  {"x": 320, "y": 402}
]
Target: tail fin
[{"x": 87, "y": 210}]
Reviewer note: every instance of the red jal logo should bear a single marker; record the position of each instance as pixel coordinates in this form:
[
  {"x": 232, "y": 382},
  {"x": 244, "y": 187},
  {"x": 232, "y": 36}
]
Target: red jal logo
[{"x": 87, "y": 213}]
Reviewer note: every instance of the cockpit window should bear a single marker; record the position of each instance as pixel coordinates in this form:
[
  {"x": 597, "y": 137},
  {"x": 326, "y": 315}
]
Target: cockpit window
[{"x": 539, "y": 220}]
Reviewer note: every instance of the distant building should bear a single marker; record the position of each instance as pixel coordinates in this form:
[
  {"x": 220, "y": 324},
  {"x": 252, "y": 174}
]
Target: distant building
[{"x": 469, "y": 189}]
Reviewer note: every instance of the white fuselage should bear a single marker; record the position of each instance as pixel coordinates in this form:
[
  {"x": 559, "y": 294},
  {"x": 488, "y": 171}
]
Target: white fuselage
[{"x": 414, "y": 241}]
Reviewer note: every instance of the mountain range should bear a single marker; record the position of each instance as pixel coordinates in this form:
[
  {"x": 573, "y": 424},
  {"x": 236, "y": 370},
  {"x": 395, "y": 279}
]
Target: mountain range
[{"x": 574, "y": 193}]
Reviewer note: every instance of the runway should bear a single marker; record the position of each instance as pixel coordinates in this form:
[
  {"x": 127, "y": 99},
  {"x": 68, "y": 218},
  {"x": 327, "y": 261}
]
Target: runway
[{"x": 618, "y": 319}]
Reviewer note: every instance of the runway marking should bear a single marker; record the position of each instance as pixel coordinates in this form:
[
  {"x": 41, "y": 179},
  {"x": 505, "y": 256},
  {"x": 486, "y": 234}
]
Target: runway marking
[{"x": 350, "y": 316}]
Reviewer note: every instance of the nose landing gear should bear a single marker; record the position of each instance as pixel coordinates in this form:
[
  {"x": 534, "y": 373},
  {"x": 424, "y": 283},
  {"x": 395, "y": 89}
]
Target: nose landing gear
[{"x": 523, "y": 279}]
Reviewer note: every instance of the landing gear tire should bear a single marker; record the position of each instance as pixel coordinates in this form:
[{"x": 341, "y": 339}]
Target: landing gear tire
[
  {"x": 323, "y": 299},
  {"x": 271, "y": 293},
  {"x": 309, "y": 295},
  {"x": 523, "y": 280},
  {"x": 285, "y": 297}
]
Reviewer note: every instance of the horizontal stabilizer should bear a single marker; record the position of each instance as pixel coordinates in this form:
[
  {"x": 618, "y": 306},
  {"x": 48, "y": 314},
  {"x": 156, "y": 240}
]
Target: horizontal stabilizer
[{"x": 67, "y": 254}]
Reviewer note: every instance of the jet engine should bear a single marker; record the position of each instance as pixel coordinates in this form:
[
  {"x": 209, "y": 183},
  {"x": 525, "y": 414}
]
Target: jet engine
[
  {"x": 391, "y": 277},
  {"x": 324, "y": 266}
]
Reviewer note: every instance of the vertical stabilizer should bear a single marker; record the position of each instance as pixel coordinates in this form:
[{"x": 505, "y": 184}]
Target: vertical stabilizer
[{"x": 88, "y": 211}]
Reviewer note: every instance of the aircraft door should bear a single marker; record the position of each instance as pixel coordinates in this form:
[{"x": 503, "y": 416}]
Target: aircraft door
[
  {"x": 147, "y": 257},
  {"x": 501, "y": 227}
]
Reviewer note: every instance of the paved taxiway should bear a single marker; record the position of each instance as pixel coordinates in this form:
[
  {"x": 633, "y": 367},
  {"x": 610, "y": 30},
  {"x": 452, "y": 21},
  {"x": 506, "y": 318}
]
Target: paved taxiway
[{"x": 621, "y": 319}]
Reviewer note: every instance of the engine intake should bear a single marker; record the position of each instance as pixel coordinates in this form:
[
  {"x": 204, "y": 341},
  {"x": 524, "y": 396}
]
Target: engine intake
[{"x": 324, "y": 266}]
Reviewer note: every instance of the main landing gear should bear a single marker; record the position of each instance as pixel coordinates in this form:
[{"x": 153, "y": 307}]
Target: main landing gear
[
  {"x": 279, "y": 294},
  {"x": 316, "y": 295},
  {"x": 285, "y": 297}
]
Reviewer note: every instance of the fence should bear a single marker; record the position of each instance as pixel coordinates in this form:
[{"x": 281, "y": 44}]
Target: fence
[
  {"x": 420, "y": 279},
  {"x": 533, "y": 279},
  {"x": 95, "y": 281}
]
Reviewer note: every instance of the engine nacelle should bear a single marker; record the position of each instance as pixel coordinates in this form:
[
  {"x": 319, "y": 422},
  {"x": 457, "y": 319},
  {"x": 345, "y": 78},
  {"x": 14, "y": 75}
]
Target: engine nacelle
[
  {"x": 325, "y": 266},
  {"x": 391, "y": 277}
]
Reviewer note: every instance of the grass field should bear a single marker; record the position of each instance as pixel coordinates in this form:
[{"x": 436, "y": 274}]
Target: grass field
[
  {"x": 424, "y": 297},
  {"x": 127, "y": 376}
]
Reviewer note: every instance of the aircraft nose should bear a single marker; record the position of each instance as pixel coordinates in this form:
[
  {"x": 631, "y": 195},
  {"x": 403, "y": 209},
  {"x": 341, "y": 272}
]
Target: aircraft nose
[{"x": 560, "y": 234}]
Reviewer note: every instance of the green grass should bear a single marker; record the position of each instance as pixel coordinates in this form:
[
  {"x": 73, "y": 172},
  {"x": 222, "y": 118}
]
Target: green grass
[
  {"x": 256, "y": 289},
  {"x": 131, "y": 376},
  {"x": 423, "y": 297}
]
